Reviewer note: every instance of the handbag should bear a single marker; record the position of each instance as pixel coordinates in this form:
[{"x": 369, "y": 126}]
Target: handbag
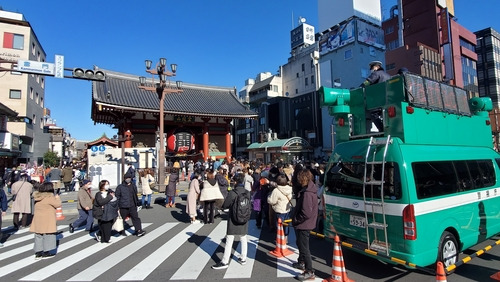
[
  {"x": 118, "y": 225},
  {"x": 14, "y": 197},
  {"x": 256, "y": 204}
]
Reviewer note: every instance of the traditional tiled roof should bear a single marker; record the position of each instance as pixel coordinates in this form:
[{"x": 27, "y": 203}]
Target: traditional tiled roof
[{"x": 120, "y": 91}]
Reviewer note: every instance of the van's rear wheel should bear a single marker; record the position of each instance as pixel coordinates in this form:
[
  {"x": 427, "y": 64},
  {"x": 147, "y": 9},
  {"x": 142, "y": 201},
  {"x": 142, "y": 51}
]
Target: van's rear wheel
[{"x": 448, "y": 249}]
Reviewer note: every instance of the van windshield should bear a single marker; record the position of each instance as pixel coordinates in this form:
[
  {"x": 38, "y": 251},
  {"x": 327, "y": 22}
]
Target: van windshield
[{"x": 346, "y": 178}]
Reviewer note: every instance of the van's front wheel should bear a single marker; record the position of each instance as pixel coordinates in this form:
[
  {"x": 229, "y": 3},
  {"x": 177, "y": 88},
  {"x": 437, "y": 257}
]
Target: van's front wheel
[{"x": 448, "y": 249}]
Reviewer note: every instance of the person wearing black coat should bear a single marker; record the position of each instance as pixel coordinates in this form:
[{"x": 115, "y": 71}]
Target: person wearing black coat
[
  {"x": 126, "y": 193},
  {"x": 233, "y": 228}
]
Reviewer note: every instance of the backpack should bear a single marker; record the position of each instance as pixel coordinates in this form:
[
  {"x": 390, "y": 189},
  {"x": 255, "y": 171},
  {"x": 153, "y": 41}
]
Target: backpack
[{"x": 241, "y": 209}]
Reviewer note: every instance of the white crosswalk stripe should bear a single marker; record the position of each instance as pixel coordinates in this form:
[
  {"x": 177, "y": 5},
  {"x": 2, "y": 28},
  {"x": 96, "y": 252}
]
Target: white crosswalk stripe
[
  {"x": 105, "y": 264},
  {"x": 201, "y": 255},
  {"x": 205, "y": 251},
  {"x": 68, "y": 261}
]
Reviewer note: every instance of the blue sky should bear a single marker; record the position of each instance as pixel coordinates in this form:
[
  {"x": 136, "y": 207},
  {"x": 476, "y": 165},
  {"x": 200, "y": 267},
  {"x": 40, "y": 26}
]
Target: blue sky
[{"x": 214, "y": 42}]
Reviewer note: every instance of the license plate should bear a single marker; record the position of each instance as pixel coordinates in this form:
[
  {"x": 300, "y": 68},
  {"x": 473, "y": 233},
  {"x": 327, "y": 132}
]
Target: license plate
[{"x": 357, "y": 221}]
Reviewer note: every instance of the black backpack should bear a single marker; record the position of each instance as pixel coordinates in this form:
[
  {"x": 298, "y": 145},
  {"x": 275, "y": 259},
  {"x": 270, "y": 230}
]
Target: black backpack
[{"x": 242, "y": 208}]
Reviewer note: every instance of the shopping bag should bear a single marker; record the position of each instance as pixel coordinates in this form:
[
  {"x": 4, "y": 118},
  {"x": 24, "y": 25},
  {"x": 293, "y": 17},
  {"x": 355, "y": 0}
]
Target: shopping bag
[{"x": 118, "y": 225}]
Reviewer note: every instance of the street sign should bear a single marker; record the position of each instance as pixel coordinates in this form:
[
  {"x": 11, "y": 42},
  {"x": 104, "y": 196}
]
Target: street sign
[
  {"x": 94, "y": 148},
  {"x": 102, "y": 148},
  {"x": 59, "y": 66},
  {"x": 35, "y": 67}
]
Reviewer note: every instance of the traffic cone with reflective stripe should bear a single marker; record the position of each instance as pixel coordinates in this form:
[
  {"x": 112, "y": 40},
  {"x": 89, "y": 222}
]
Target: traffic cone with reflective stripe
[
  {"x": 338, "y": 268},
  {"x": 281, "y": 249},
  {"x": 440, "y": 275},
  {"x": 496, "y": 276},
  {"x": 59, "y": 214}
]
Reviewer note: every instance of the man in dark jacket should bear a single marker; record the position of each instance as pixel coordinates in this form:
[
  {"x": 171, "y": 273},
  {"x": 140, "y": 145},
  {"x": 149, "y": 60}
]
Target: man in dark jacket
[
  {"x": 378, "y": 75},
  {"x": 233, "y": 228},
  {"x": 304, "y": 220},
  {"x": 126, "y": 193}
]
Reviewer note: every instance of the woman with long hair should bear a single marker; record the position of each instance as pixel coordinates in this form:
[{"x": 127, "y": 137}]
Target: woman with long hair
[
  {"x": 105, "y": 210},
  {"x": 146, "y": 181},
  {"x": 210, "y": 195}
]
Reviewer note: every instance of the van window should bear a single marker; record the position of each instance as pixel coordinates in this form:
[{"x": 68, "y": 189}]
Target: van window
[
  {"x": 347, "y": 179},
  {"x": 447, "y": 177}
]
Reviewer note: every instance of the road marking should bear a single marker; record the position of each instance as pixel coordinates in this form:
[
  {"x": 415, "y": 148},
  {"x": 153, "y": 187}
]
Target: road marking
[
  {"x": 191, "y": 268},
  {"x": 150, "y": 263},
  {"x": 6, "y": 269},
  {"x": 107, "y": 263},
  {"x": 284, "y": 264},
  {"x": 28, "y": 247},
  {"x": 68, "y": 261}
]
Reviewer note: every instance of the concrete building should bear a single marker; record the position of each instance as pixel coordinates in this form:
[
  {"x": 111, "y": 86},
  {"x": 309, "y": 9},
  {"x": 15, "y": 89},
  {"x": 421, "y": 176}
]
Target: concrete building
[
  {"x": 425, "y": 37},
  {"x": 23, "y": 93},
  {"x": 488, "y": 73},
  {"x": 286, "y": 103},
  {"x": 488, "y": 64}
]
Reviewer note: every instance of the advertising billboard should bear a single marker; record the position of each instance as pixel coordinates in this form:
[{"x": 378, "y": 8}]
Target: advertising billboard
[
  {"x": 370, "y": 34},
  {"x": 337, "y": 37}
]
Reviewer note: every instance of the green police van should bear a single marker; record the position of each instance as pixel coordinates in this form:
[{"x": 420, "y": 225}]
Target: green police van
[{"x": 425, "y": 188}]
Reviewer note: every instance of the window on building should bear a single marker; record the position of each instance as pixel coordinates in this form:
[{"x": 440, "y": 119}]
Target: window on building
[
  {"x": 389, "y": 29},
  {"x": 275, "y": 88},
  {"x": 34, "y": 119},
  {"x": 296, "y": 91},
  {"x": 13, "y": 41},
  {"x": 15, "y": 94},
  {"x": 37, "y": 97},
  {"x": 31, "y": 93},
  {"x": 297, "y": 74},
  {"x": 347, "y": 54},
  {"x": 306, "y": 81},
  {"x": 33, "y": 49},
  {"x": 41, "y": 123},
  {"x": 43, "y": 83},
  {"x": 303, "y": 67},
  {"x": 38, "y": 57},
  {"x": 41, "y": 102},
  {"x": 312, "y": 63},
  {"x": 312, "y": 79}
]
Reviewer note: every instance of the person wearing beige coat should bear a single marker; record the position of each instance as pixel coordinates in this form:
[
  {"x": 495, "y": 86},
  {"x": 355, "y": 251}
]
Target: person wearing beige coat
[
  {"x": 44, "y": 223},
  {"x": 192, "y": 197},
  {"x": 22, "y": 205}
]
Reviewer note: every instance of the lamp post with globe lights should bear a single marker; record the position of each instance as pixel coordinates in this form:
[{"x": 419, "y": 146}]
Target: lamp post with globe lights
[{"x": 161, "y": 88}]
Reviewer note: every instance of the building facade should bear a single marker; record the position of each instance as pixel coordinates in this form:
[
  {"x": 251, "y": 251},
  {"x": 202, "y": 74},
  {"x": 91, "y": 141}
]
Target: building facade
[
  {"x": 23, "y": 93},
  {"x": 425, "y": 37}
]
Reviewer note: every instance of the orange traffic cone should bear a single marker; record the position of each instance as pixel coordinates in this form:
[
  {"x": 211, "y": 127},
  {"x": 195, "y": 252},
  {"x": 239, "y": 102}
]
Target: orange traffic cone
[
  {"x": 496, "y": 276},
  {"x": 338, "y": 267},
  {"x": 59, "y": 214},
  {"x": 281, "y": 249},
  {"x": 440, "y": 275}
]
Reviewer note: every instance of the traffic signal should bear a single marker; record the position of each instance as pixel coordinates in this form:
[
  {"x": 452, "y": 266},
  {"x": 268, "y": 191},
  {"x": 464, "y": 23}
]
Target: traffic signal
[{"x": 89, "y": 74}]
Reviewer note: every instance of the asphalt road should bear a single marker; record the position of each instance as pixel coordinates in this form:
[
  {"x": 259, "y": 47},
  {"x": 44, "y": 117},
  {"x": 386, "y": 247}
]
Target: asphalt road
[{"x": 174, "y": 249}]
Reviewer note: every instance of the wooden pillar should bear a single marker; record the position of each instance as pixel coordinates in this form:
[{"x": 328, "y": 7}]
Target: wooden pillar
[
  {"x": 206, "y": 153},
  {"x": 228, "y": 139}
]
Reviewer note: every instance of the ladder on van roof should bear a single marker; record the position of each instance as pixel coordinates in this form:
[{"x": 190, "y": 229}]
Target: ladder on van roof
[{"x": 371, "y": 204}]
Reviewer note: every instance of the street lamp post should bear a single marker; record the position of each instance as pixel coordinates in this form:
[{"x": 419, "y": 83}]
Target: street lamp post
[{"x": 161, "y": 88}]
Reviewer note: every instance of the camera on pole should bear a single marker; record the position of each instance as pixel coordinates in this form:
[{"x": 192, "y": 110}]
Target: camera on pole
[{"x": 89, "y": 74}]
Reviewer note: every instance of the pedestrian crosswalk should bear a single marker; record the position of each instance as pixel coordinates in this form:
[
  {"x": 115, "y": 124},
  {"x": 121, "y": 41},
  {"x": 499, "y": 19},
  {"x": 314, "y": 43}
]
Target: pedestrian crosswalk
[{"x": 80, "y": 258}]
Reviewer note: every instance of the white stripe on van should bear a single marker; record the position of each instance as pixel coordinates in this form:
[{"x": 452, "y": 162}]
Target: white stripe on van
[{"x": 425, "y": 206}]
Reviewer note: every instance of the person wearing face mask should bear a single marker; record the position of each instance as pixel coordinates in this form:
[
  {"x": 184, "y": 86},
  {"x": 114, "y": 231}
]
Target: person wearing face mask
[
  {"x": 126, "y": 193},
  {"x": 105, "y": 211},
  {"x": 84, "y": 207}
]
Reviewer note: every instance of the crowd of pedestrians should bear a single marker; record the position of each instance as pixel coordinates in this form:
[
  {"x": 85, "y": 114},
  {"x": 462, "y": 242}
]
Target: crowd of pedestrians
[{"x": 278, "y": 190}]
